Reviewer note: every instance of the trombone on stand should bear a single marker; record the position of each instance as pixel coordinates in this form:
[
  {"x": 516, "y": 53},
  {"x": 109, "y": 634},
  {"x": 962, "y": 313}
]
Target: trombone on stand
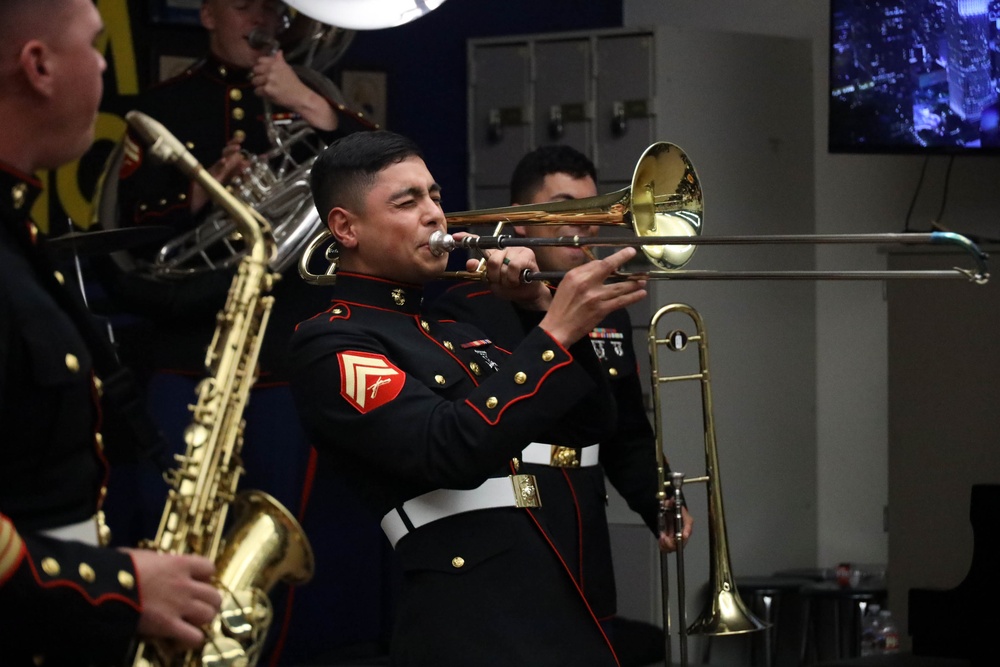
[{"x": 726, "y": 613}]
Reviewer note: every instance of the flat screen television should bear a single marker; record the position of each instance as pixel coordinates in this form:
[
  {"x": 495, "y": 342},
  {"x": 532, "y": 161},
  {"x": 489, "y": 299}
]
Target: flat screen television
[{"x": 914, "y": 76}]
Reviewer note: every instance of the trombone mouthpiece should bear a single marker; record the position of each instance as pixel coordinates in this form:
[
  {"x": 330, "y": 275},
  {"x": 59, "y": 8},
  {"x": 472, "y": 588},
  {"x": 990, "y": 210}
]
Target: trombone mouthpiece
[{"x": 440, "y": 243}]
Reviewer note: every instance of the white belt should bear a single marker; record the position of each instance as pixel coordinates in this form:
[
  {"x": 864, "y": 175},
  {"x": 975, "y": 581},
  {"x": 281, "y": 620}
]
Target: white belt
[
  {"x": 511, "y": 491},
  {"x": 84, "y": 531},
  {"x": 560, "y": 457}
]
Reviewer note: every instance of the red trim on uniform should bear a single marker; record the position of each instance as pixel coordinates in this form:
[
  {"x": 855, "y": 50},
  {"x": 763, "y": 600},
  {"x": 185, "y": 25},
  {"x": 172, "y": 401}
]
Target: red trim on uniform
[
  {"x": 307, "y": 483},
  {"x": 461, "y": 363},
  {"x": 145, "y": 216},
  {"x": 579, "y": 524},
  {"x": 307, "y": 486},
  {"x": 519, "y": 398},
  {"x": 576, "y": 585},
  {"x": 28, "y": 178},
  {"x": 99, "y": 600}
]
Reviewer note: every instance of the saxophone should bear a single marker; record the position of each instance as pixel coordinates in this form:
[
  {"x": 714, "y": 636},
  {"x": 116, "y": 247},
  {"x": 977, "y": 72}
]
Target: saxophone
[{"x": 265, "y": 543}]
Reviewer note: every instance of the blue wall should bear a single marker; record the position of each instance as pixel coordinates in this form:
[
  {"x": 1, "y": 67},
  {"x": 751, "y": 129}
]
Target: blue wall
[{"x": 425, "y": 62}]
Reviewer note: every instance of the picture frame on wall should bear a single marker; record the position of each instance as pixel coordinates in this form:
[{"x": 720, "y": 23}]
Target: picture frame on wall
[{"x": 181, "y": 12}]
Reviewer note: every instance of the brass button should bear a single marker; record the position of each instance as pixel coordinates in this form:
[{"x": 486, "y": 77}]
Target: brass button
[
  {"x": 182, "y": 196},
  {"x": 50, "y": 566},
  {"x": 439, "y": 379},
  {"x": 399, "y": 297},
  {"x": 59, "y": 277},
  {"x": 72, "y": 363},
  {"x": 517, "y": 463},
  {"x": 18, "y": 193},
  {"x": 424, "y": 325},
  {"x": 126, "y": 580},
  {"x": 239, "y": 135},
  {"x": 87, "y": 573},
  {"x": 222, "y": 70},
  {"x": 238, "y": 113},
  {"x": 142, "y": 207},
  {"x": 457, "y": 561},
  {"x": 520, "y": 378},
  {"x": 235, "y": 94},
  {"x": 99, "y": 442},
  {"x": 98, "y": 386},
  {"x": 474, "y": 367},
  {"x": 337, "y": 311},
  {"x": 491, "y": 402},
  {"x": 448, "y": 346},
  {"x": 613, "y": 372},
  {"x": 548, "y": 355},
  {"x": 190, "y": 145}
]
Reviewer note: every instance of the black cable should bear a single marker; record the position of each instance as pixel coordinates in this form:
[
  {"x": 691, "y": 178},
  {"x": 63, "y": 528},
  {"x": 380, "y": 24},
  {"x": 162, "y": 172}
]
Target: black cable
[
  {"x": 936, "y": 222},
  {"x": 913, "y": 201}
]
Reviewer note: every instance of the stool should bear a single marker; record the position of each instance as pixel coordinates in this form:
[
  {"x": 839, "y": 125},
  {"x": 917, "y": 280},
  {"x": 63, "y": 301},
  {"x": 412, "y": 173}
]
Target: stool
[{"x": 846, "y": 606}]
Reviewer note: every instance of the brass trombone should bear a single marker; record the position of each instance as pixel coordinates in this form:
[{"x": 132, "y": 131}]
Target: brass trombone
[
  {"x": 726, "y": 613},
  {"x": 665, "y": 207}
]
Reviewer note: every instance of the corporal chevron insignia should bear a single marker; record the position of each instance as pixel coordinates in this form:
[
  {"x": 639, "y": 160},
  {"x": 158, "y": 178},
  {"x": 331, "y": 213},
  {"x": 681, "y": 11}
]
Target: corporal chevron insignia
[{"x": 368, "y": 380}]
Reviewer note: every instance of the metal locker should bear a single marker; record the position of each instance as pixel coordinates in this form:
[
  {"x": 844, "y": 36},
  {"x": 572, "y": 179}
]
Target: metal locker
[
  {"x": 499, "y": 111},
  {"x": 625, "y": 103},
  {"x": 564, "y": 93}
]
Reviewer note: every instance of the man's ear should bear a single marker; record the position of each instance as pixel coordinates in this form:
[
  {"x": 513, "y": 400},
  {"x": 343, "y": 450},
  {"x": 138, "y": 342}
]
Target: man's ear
[
  {"x": 207, "y": 16},
  {"x": 341, "y": 223},
  {"x": 36, "y": 64}
]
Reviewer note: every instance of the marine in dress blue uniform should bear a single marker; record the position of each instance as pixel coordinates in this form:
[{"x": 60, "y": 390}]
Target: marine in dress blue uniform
[
  {"x": 62, "y": 602},
  {"x": 416, "y": 413},
  {"x": 575, "y": 486}
]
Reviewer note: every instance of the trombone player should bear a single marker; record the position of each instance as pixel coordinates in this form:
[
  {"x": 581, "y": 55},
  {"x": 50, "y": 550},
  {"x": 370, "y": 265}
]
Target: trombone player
[
  {"x": 574, "y": 484},
  {"x": 427, "y": 419}
]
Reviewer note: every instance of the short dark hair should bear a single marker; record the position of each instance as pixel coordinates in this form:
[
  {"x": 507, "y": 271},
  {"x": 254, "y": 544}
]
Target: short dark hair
[
  {"x": 530, "y": 172},
  {"x": 346, "y": 169}
]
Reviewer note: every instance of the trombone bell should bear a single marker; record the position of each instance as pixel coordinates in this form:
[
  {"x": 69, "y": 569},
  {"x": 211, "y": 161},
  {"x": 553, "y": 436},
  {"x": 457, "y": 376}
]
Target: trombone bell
[{"x": 666, "y": 200}]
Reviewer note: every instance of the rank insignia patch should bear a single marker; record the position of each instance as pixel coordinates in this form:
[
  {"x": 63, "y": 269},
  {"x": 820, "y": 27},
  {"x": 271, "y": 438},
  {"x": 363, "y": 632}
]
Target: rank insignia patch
[{"x": 368, "y": 380}]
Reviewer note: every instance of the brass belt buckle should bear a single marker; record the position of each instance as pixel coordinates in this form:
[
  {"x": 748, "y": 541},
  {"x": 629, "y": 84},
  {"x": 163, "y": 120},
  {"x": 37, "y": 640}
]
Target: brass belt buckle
[
  {"x": 525, "y": 491},
  {"x": 564, "y": 457}
]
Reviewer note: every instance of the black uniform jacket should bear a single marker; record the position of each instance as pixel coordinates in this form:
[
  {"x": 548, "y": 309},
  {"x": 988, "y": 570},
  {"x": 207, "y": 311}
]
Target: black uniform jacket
[
  {"x": 405, "y": 405},
  {"x": 205, "y": 107},
  {"x": 627, "y": 454},
  {"x": 64, "y": 603}
]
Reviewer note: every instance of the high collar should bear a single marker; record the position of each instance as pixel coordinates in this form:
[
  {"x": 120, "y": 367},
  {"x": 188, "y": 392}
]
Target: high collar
[
  {"x": 18, "y": 192},
  {"x": 399, "y": 297},
  {"x": 227, "y": 73}
]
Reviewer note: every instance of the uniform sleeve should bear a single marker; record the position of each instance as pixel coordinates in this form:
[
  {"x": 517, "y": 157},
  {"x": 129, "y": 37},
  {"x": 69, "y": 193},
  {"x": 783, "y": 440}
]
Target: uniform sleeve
[
  {"x": 65, "y": 600},
  {"x": 427, "y": 438},
  {"x": 151, "y": 193}
]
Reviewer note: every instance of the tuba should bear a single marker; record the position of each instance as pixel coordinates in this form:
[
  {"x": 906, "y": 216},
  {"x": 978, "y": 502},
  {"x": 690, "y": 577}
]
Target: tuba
[
  {"x": 275, "y": 184},
  {"x": 265, "y": 543}
]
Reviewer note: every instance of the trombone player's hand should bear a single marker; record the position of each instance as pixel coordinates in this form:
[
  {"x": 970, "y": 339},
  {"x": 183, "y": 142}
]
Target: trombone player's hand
[{"x": 668, "y": 541}]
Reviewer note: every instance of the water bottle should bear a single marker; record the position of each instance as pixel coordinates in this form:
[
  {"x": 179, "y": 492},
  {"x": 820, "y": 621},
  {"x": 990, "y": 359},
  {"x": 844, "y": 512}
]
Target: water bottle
[
  {"x": 869, "y": 631},
  {"x": 887, "y": 640}
]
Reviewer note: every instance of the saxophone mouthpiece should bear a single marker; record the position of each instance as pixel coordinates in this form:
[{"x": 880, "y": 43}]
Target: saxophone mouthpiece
[{"x": 163, "y": 145}]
